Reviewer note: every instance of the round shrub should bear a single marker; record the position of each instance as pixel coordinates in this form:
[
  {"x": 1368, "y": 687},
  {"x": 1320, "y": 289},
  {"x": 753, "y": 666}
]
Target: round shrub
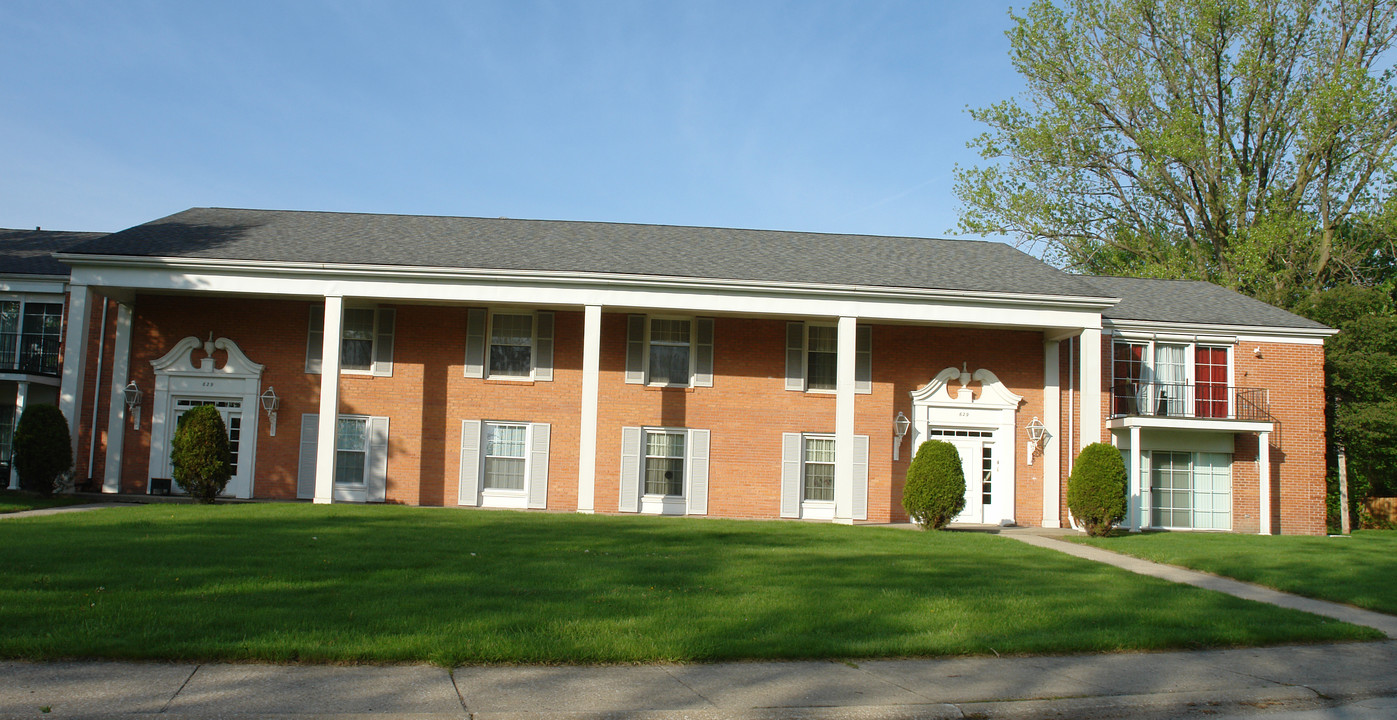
[
  {"x": 42, "y": 448},
  {"x": 935, "y": 489},
  {"x": 1096, "y": 489},
  {"x": 200, "y": 454}
]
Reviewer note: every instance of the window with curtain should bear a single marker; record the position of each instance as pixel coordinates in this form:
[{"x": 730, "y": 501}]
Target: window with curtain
[
  {"x": 1210, "y": 380},
  {"x": 511, "y": 345},
  {"x": 1171, "y": 380},
  {"x": 357, "y": 344},
  {"x": 1127, "y": 372},
  {"x": 664, "y": 463},
  {"x": 669, "y": 351},
  {"x": 819, "y": 469},
  {"x": 504, "y": 456},
  {"x": 822, "y": 357}
]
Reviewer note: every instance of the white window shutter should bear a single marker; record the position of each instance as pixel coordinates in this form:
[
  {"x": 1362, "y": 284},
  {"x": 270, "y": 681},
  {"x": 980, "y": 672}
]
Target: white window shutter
[
  {"x": 860, "y": 477},
  {"x": 315, "y": 339},
  {"x": 863, "y": 359},
  {"x": 630, "y": 469},
  {"x": 698, "y": 472},
  {"x": 703, "y": 352},
  {"x": 468, "y": 492},
  {"x": 305, "y": 467},
  {"x": 538, "y": 465},
  {"x": 475, "y": 343},
  {"x": 795, "y": 356},
  {"x": 383, "y": 342},
  {"x": 791, "y": 452},
  {"x": 543, "y": 346},
  {"x": 635, "y": 349},
  {"x": 376, "y": 484}
]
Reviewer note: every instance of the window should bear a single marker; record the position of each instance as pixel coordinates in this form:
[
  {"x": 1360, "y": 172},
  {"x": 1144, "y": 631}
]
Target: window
[
  {"x": 1159, "y": 378},
  {"x": 366, "y": 340},
  {"x": 503, "y": 464},
  {"x": 1191, "y": 490},
  {"x": 812, "y": 357},
  {"x": 351, "y": 450},
  {"x": 509, "y": 345},
  {"x": 675, "y": 352},
  {"x": 819, "y": 470},
  {"x": 361, "y": 458},
  {"x": 664, "y": 463},
  {"x": 1127, "y": 372},
  {"x": 30, "y": 335}
]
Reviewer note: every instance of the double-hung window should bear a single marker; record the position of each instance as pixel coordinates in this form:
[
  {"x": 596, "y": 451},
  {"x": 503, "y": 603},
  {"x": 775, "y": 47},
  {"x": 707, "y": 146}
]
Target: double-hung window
[
  {"x": 818, "y": 485},
  {"x": 509, "y": 344},
  {"x": 505, "y": 456},
  {"x": 812, "y": 357},
  {"x": 30, "y": 335},
  {"x": 808, "y": 476},
  {"x": 366, "y": 340},
  {"x": 361, "y": 457},
  {"x": 503, "y": 464},
  {"x": 664, "y": 470},
  {"x": 351, "y": 450},
  {"x": 669, "y": 351},
  {"x": 664, "y": 463}
]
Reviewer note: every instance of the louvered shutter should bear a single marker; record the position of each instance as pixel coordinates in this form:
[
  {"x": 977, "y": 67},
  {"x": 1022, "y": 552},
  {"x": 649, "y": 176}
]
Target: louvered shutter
[
  {"x": 698, "y": 472},
  {"x": 635, "y": 349},
  {"x": 538, "y": 465},
  {"x": 863, "y": 359},
  {"x": 630, "y": 469},
  {"x": 790, "y": 474},
  {"x": 376, "y": 484},
  {"x": 860, "y": 477},
  {"x": 305, "y": 467},
  {"x": 703, "y": 352},
  {"x": 795, "y": 356},
  {"x": 543, "y": 347},
  {"x": 383, "y": 342},
  {"x": 468, "y": 492},
  {"x": 475, "y": 343},
  {"x": 315, "y": 338}
]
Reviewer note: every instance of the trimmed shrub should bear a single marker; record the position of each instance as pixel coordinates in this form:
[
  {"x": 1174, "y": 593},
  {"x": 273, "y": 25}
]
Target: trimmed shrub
[
  {"x": 200, "y": 456},
  {"x": 935, "y": 489},
  {"x": 1096, "y": 489},
  {"x": 42, "y": 449}
]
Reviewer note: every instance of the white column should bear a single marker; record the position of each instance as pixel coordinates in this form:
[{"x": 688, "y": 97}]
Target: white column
[
  {"x": 587, "y": 423},
  {"x": 1136, "y": 508},
  {"x": 1263, "y": 458},
  {"x": 1052, "y": 419},
  {"x": 844, "y": 421},
  {"x": 1091, "y": 386},
  {"x": 21, "y": 397},
  {"x": 329, "y": 400},
  {"x": 116, "y": 418},
  {"x": 74, "y": 360}
]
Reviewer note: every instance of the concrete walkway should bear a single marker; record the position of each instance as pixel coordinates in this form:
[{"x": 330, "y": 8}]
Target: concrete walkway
[{"x": 57, "y": 510}]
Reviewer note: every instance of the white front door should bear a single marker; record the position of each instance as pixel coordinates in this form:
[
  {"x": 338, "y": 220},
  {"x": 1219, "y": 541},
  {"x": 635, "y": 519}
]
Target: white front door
[
  {"x": 231, "y": 410},
  {"x": 981, "y": 467}
]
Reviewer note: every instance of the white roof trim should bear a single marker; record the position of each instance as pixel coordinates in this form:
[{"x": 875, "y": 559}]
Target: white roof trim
[{"x": 1213, "y": 333}]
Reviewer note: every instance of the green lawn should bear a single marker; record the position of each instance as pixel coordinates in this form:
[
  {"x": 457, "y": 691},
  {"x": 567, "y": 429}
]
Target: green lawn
[
  {"x": 12, "y": 501},
  {"x": 1359, "y": 570},
  {"x": 346, "y": 583}
]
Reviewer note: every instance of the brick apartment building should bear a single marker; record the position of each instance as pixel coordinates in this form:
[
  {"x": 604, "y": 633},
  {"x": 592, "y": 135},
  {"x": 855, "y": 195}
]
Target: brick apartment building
[{"x": 595, "y": 367}]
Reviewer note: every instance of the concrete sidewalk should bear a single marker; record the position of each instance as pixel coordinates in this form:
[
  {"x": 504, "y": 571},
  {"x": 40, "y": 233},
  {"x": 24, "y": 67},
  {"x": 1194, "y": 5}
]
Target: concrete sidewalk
[{"x": 1320, "y": 680}]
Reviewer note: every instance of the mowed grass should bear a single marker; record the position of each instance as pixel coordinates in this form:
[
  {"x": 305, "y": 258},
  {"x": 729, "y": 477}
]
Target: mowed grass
[
  {"x": 346, "y": 583},
  {"x": 1358, "y": 570},
  {"x": 12, "y": 501}
]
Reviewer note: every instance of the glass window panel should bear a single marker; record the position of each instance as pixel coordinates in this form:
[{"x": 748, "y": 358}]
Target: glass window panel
[
  {"x": 674, "y": 332},
  {"x": 504, "y": 473},
  {"x": 819, "y": 450},
  {"x": 505, "y": 440},
  {"x": 357, "y": 343},
  {"x": 511, "y": 360},
  {"x": 349, "y": 468},
  {"x": 819, "y": 482},
  {"x": 824, "y": 338},
  {"x": 664, "y": 463},
  {"x": 512, "y": 330},
  {"x": 349, "y": 433},
  {"x": 669, "y": 365}
]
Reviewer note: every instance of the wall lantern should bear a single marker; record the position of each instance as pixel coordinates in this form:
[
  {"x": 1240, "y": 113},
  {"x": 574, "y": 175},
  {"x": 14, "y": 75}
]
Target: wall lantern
[
  {"x": 133, "y": 401},
  {"x": 900, "y": 426},
  {"x": 1038, "y": 436},
  {"x": 270, "y": 402}
]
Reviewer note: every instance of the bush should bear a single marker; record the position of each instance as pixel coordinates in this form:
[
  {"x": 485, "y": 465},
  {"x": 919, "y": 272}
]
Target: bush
[
  {"x": 935, "y": 489},
  {"x": 1096, "y": 489},
  {"x": 42, "y": 448},
  {"x": 200, "y": 454}
]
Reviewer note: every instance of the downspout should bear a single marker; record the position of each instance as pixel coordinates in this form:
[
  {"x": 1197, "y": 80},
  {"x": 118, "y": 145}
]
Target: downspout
[{"x": 97, "y": 391}]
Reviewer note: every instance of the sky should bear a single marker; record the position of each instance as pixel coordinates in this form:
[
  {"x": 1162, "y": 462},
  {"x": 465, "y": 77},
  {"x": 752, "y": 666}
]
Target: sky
[{"x": 843, "y": 117}]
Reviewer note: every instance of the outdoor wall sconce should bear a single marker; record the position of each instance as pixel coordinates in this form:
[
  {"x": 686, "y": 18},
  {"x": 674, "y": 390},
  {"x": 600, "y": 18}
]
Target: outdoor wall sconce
[
  {"x": 900, "y": 426},
  {"x": 270, "y": 402},
  {"x": 133, "y": 401},
  {"x": 1038, "y": 436}
]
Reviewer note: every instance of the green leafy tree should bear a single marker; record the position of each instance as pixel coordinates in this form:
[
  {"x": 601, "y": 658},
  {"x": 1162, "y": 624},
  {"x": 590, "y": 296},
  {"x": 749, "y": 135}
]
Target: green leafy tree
[
  {"x": 200, "y": 455},
  {"x": 935, "y": 490},
  {"x": 1243, "y": 142},
  {"x": 1096, "y": 488},
  {"x": 42, "y": 448}
]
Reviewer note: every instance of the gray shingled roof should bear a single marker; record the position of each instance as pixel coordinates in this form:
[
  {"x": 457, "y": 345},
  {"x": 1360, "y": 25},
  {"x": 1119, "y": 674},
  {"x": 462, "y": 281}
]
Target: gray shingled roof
[
  {"x": 546, "y": 245},
  {"x": 1192, "y": 301},
  {"x": 30, "y": 252}
]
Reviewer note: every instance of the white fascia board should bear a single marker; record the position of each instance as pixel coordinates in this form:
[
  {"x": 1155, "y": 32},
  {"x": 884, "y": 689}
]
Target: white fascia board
[
  {"x": 1242, "y": 333},
  {"x": 51, "y": 284},
  {"x": 1197, "y": 424},
  {"x": 570, "y": 289}
]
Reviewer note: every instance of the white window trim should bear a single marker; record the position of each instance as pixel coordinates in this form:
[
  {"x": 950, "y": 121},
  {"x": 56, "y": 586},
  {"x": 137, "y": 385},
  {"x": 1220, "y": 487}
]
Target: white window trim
[
  {"x": 813, "y": 509},
  {"x": 693, "y": 344},
  {"x": 490, "y": 313},
  {"x": 501, "y": 498}
]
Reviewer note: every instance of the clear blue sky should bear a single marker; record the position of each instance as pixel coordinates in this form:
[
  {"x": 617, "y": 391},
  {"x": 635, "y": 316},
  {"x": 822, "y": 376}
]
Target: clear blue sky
[{"x": 817, "y": 116}]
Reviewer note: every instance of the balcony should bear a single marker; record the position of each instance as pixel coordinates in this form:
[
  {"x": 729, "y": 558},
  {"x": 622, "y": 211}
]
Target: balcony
[
  {"x": 29, "y": 354},
  {"x": 1204, "y": 401}
]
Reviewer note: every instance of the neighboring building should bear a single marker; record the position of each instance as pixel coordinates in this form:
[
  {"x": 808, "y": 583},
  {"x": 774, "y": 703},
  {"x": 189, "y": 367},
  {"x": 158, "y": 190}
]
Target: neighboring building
[
  {"x": 32, "y": 290},
  {"x": 613, "y": 368}
]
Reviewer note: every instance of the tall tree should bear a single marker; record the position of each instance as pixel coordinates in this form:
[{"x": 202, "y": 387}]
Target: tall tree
[{"x": 1245, "y": 142}]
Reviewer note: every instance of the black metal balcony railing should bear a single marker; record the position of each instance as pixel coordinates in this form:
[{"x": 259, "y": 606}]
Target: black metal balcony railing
[
  {"x": 1190, "y": 400},
  {"x": 28, "y": 354}
]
